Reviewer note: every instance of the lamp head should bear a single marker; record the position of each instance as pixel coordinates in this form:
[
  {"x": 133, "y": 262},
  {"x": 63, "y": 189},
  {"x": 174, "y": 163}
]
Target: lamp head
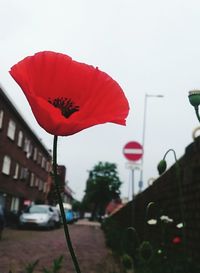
[{"x": 194, "y": 97}]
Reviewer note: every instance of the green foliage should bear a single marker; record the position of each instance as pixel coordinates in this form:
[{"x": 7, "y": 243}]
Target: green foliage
[
  {"x": 130, "y": 242},
  {"x": 31, "y": 266},
  {"x": 127, "y": 261},
  {"x": 102, "y": 186},
  {"x": 113, "y": 234},
  {"x": 145, "y": 252},
  {"x": 146, "y": 257},
  {"x": 76, "y": 205},
  {"x": 57, "y": 265}
]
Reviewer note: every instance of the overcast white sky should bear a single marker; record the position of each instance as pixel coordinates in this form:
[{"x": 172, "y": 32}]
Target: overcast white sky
[{"x": 146, "y": 46}]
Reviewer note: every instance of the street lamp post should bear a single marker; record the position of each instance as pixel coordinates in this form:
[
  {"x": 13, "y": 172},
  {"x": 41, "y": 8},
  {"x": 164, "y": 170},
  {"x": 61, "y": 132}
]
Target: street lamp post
[{"x": 144, "y": 129}]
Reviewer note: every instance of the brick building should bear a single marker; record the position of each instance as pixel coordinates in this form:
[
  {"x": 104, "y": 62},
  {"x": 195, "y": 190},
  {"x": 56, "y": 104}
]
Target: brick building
[
  {"x": 25, "y": 162},
  {"x": 67, "y": 193}
]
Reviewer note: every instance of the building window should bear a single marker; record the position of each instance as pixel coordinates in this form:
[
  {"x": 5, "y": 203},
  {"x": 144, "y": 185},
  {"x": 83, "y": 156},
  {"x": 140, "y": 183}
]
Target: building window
[
  {"x": 43, "y": 162},
  {"x": 46, "y": 187},
  {"x": 26, "y": 144},
  {"x": 1, "y": 119},
  {"x": 35, "y": 154},
  {"x": 20, "y": 139},
  {"x": 48, "y": 166},
  {"x": 28, "y": 147},
  {"x": 11, "y": 129},
  {"x": 41, "y": 184},
  {"x": 32, "y": 180},
  {"x": 6, "y": 165},
  {"x": 16, "y": 171},
  {"x": 36, "y": 182},
  {"x": 39, "y": 159},
  {"x": 30, "y": 150},
  {"x": 24, "y": 174},
  {"x": 14, "y": 204}
]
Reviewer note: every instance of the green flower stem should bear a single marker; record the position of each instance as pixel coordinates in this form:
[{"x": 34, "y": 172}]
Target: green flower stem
[
  {"x": 136, "y": 234},
  {"x": 150, "y": 204},
  {"x": 66, "y": 230},
  {"x": 178, "y": 173},
  {"x": 197, "y": 112}
]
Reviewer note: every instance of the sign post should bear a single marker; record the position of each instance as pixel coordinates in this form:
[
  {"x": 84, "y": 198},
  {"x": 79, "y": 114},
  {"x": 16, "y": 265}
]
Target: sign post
[{"x": 133, "y": 152}]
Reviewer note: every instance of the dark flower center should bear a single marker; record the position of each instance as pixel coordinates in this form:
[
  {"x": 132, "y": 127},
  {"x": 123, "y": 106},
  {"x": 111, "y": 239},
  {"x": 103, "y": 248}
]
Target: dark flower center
[{"x": 66, "y": 106}]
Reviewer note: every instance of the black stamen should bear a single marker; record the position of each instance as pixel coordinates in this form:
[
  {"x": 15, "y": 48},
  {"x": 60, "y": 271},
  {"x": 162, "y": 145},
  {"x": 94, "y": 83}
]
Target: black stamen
[{"x": 66, "y": 106}]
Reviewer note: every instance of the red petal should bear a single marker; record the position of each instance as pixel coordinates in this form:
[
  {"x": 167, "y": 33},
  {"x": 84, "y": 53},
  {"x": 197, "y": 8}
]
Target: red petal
[{"x": 51, "y": 75}]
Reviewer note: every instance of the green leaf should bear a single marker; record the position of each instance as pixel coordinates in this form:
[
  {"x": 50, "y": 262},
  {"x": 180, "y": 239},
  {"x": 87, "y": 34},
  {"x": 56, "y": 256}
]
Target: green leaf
[
  {"x": 31, "y": 266},
  {"x": 57, "y": 264}
]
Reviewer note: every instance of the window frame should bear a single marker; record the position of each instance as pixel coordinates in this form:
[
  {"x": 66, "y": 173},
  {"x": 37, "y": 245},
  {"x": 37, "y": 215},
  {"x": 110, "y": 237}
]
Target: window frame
[
  {"x": 41, "y": 185},
  {"x": 16, "y": 174},
  {"x": 6, "y": 166},
  {"x": 35, "y": 153},
  {"x": 1, "y": 118},
  {"x": 15, "y": 204},
  {"x": 20, "y": 139},
  {"x": 11, "y": 129},
  {"x": 32, "y": 180}
]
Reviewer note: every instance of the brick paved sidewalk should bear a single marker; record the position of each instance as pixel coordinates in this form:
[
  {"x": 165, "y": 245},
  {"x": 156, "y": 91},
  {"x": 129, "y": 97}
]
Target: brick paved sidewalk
[{"x": 20, "y": 247}]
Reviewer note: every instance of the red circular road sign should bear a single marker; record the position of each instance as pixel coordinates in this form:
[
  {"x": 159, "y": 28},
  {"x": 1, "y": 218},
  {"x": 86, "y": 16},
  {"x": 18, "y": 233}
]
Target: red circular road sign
[{"x": 133, "y": 151}]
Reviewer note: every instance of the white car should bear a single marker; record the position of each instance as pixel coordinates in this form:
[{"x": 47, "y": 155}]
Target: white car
[{"x": 40, "y": 216}]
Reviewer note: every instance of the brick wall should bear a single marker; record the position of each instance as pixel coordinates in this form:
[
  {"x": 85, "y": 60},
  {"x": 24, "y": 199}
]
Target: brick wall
[{"x": 165, "y": 194}]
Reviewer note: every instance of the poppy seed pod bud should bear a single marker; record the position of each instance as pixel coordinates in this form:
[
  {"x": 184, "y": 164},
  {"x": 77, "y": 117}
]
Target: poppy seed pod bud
[
  {"x": 145, "y": 251},
  {"x": 194, "y": 97},
  {"x": 127, "y": 261},
  {"x": 162, "y": 166}
]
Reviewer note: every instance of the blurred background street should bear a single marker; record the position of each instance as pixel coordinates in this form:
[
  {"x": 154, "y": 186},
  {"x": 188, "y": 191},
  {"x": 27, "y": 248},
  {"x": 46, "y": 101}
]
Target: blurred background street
[{"x": 18, "y": 248}]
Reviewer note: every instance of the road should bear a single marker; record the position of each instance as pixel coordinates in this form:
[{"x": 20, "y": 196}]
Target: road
[{"x": 21, "y": 247}]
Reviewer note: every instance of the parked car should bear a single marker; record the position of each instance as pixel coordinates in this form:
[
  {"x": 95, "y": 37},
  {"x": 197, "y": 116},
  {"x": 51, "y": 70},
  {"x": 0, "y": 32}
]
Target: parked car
[
  {"x": 69, "y": 216},
  {"x": 87, "y": 215},
  {"x": 40, "y": 216},
  {"x": 76, "y": 215}
]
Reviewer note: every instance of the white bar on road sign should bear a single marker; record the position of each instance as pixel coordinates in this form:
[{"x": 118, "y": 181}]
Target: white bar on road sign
[{"x": 133, "y": 151}]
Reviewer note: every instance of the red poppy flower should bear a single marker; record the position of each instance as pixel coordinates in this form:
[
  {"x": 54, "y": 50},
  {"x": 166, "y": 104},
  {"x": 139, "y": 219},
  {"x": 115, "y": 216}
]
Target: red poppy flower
[
  {"x": 67, "y": 96},
  {"x": 176, "y": 240}
]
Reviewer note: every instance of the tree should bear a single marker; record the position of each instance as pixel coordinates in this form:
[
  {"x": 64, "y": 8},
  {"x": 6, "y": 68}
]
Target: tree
[
  {"x": 76, "y": 205},
  {"x": 103, "y": 185}
]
